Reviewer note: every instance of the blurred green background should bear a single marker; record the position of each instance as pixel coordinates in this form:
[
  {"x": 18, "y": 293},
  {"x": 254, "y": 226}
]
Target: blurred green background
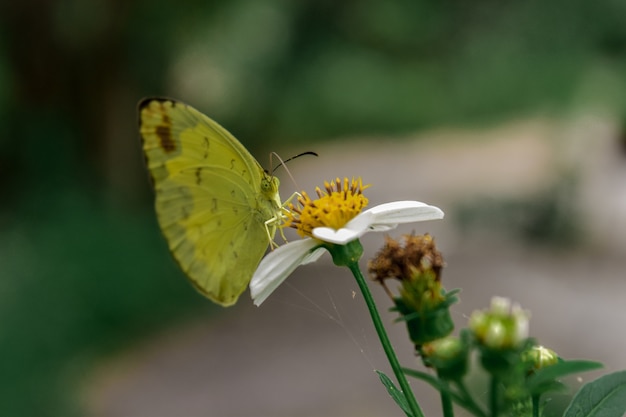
[{"x": 82, "y": 265}]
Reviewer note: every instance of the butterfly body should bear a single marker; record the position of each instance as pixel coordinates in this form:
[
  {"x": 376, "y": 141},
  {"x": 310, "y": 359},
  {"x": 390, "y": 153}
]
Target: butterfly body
[{"x": 217, "y": 208}]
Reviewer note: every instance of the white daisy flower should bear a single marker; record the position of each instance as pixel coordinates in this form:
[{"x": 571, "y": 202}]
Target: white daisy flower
[{"x": 335, "y": 218}]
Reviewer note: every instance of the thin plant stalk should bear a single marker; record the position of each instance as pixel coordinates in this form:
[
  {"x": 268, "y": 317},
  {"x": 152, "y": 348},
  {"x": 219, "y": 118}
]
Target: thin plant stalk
[
  {"x": 470, "y": 404},
  {"x": 493, "y": 396},
  {"x": 446, "y": 402},
  {"x": 384, "y": 340},
  {"x": 535, "y": 400}
]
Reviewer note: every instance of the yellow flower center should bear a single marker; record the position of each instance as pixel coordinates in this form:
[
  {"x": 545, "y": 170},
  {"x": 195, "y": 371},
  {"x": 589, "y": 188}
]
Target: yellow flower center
[{"x": 335, "y": 206}]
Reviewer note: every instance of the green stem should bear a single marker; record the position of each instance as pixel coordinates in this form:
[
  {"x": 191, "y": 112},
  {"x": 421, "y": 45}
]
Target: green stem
[
  {"x": 493, "y": 396},
  {"x": 446, "y": 401},
  {"x": 469, "y": 404},
  {"x": 384, "y": 340},
  {"x": 535, "y": 399}
]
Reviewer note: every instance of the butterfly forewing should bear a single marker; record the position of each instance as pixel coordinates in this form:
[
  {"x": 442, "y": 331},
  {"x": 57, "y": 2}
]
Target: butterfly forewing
[{"x": 208, "y": 198}]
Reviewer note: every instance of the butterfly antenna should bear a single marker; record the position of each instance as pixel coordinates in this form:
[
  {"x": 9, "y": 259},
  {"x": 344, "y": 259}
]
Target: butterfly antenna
[
  {"x": 292, "y": 158},
  {"x": 283, "y": 162}
]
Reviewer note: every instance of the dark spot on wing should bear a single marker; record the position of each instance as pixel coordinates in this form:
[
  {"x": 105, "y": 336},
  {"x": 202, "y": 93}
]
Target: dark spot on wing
[
  {"x": 206, "y": 147},
  {"x": 164, "y": 132},
  {"x": 199, "y": 176}
]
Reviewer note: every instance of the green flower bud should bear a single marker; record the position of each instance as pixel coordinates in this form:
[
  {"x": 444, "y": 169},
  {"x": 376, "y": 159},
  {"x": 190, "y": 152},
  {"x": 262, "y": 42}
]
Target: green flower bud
[
  {"x": 501, "y": 334},
  {"x": 448, "y": 356},
  {"x": 539, "y": 357},
  {"x": 502, "y": 327}
]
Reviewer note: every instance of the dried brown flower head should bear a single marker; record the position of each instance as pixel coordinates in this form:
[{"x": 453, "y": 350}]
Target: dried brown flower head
[{"x": 402, "y": 260}]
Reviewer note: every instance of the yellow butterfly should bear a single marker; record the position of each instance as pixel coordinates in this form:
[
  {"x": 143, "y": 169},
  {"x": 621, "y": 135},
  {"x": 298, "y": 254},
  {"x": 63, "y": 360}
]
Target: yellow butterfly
[{"x": 217, "y": 208}]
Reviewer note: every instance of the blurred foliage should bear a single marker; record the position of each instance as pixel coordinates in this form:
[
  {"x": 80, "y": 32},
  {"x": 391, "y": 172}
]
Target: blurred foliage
[
  {"x": 78, "y": 281},
  {"x": 80, "y": 257}
]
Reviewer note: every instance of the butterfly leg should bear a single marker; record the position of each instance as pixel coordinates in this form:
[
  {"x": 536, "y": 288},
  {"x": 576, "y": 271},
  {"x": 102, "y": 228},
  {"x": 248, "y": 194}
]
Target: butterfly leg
[
  {"x": 285, "y": 208},
  {"x": 270, "y": 229},
  {"x": 276, "y": 222},
  {"x": 287, "y": 201}
]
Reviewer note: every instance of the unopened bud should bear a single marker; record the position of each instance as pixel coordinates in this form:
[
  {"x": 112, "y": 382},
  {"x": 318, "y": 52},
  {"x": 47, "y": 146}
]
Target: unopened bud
[
  {"x": 540, "y": 357},
  {"x": 448, "y": 356},
  {"x": 502, "y": 326}
]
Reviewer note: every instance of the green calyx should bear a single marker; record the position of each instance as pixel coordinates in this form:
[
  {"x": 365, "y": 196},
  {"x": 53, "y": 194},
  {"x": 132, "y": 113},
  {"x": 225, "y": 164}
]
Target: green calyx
[
  {"x": 429, "y": 324},
  {"x": 345, "y": 255}
]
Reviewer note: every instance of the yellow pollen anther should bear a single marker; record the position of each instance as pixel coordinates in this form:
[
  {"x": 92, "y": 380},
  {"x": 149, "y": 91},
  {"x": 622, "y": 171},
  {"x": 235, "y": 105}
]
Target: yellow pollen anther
[{"x": 336, "y": 205}]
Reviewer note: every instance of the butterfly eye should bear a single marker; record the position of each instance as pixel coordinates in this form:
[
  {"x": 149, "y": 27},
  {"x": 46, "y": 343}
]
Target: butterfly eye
[
  {"x": 269, "y": 184},
  {"x": 269, "y": 188}
]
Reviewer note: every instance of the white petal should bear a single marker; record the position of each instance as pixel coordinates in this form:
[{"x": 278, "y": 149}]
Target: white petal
[
  {"x": 379, "y": 219},
  {"x": 340, "y": 237},
  {"x": 313, "y": 256},
  {"x": 353, "y": 230},
  {"x": 394, "y": 213},
  {"x": 382, "y": 227},
  {"x": 278, "y": 264}
]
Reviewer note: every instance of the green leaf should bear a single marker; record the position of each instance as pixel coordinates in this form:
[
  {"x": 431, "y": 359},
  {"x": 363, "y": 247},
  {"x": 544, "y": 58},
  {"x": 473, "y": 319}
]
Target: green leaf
[
  {"x": 464, "y": 401},
  {"x": 543, "y": 380},
  {"x": 604, "y": 397},
  {"x": 395, "y": 393},
  {"x": 433, "y": 381}
]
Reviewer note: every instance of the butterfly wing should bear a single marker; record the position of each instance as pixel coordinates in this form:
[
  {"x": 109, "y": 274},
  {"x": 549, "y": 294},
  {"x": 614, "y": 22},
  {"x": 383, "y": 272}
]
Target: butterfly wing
[{"x": 209, "y": 201}]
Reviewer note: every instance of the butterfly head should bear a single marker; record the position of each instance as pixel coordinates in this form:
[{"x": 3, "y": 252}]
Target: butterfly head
[{"x": 269, "y": 188}]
